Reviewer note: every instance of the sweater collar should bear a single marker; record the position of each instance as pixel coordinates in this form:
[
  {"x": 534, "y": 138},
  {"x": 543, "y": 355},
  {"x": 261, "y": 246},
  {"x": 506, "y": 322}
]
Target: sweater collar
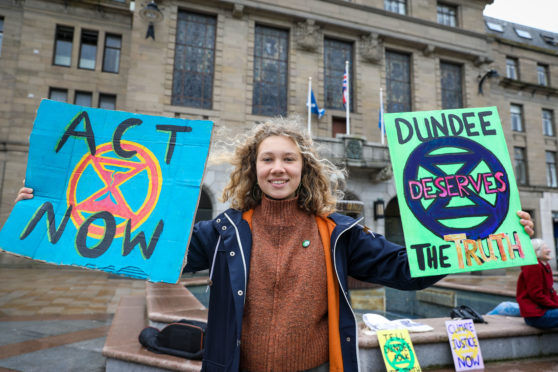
[{"x": 280, "y": 212}]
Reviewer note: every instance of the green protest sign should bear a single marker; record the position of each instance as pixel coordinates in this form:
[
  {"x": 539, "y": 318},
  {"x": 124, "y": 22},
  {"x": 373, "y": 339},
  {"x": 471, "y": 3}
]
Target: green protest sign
[{"x": 456, "y": 191}]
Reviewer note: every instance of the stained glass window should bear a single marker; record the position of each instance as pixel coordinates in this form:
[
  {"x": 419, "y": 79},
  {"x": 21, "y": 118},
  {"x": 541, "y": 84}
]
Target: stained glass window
[
  {"x": 452, "y": 85},
  {"x": 398, "y": 82},
  {"x": 336, "y": 52},
  {"x": 194, "y": 57},
  {"x": 271, "y": 52}
]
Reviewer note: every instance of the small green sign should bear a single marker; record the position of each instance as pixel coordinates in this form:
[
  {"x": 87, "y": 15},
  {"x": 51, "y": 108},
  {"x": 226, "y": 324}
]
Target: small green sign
[{"x": 456, "y": 191}]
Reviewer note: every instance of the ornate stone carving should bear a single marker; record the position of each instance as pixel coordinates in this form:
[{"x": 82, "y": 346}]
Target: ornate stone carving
[
  {"x": 384, "y": 174},
  {"x": 238, "y": 11},
  {"x": 308, "y": 36},
  {"x": 428, "y": 50},
  {"x": 353, "y": 148},
  {"x": 481, "y": 60},
  {"x": 371, "y": 48}
]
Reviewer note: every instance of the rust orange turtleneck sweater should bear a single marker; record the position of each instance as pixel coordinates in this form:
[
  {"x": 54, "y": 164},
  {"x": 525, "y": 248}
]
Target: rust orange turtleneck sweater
[{"x": 285, "y": 325}]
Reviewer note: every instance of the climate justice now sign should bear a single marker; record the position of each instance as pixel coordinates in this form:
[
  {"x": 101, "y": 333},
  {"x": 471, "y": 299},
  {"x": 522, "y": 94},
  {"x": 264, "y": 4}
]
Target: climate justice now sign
[
  {"x": 113, "y": 191},
  {"x": 456, "y": 191}
]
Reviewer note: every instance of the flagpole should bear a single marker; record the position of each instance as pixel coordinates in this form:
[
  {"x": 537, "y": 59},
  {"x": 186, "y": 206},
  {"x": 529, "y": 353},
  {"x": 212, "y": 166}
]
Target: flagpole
[
  {"x": 309, "y": 106},
  {"x": 382, "y": 129},
  {"x": 348, "y": 105}
]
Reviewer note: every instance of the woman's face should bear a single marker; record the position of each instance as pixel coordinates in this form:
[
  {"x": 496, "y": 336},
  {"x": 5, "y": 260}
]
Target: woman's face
[
  {"x": 278, "y": 167},
  {"x": 544, "y": 254}
]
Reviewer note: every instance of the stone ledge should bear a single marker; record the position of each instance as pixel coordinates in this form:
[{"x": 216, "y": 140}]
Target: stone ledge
[
  {"x": 123, "y": 350},
  {"x": 502, "y": 338},
  {"x": 505, "y": 284},
  {"x": 167, "y": 303}
]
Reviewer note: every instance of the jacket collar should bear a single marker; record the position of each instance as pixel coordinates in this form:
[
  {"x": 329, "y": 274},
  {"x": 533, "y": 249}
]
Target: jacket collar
[{"x": 340, "y": 220}]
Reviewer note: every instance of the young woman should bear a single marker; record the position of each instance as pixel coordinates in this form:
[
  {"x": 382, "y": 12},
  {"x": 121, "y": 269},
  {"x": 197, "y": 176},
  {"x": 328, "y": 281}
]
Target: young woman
[
  {"x": 536, "y": 296},
  {"x": 280, "y": 257}
]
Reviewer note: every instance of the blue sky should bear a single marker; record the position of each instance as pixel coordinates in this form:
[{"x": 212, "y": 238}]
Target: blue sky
[{"x": 541, "y": 14}]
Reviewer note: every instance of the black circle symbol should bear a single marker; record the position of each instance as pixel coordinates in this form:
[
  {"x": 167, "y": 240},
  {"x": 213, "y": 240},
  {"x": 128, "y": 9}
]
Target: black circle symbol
[{"x": 432, "y": 156}]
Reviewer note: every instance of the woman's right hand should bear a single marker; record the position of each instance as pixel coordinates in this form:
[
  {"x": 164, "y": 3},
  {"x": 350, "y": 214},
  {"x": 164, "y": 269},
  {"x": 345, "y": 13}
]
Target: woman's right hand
[{"x": 24, "y": 193}]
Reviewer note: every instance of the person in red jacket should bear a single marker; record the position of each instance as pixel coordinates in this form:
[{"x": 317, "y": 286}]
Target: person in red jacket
[{"x": 538, "y": 302}]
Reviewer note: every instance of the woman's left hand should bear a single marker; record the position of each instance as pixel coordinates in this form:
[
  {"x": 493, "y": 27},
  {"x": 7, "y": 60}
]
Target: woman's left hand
[{"x": 527, "y": 222}]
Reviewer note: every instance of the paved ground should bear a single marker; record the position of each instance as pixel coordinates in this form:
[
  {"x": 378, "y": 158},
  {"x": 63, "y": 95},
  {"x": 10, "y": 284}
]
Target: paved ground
[{"x": 56, "y": 318}]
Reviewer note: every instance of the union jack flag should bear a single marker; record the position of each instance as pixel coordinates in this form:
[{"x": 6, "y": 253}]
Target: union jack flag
[{"x": 345, "y": 85}]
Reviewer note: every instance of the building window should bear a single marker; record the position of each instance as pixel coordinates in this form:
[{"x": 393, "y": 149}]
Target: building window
[
  {"x": 398, "y": 82},
  {"x": 522, "y": 33},
  {"x": 551, "y": 169},
  {"x": 492, "y": 26},
  {"x": 57, "y": 94},
  {"x": 1, "y": 33},
  {"x": 111, "y": 56},
  {"x": 548, "y": 122},
  {"x": 452, "y": 85},
  {"x": 396, "y": 6},
  {"x": 520, "y": 165},
  {"x": 542, "y": 74},
  {"x": 194, "y": 55},
  {"x": 447, "y": 14},
  {"x": 107, "y": 101},
  {"x": 511, "y": 68},
  {"x": 88, "y": 49},
  {"x": 63, "y": 45},
  {"x": 336, "y": 53},
  {"x": 271, "y": 51},
  {"x": 83, "y": 99},
  {"x": 516, "y": 112}
]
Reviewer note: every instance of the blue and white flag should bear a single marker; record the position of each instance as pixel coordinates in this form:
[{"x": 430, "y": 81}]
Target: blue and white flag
[{"x": 314, "y": 106}]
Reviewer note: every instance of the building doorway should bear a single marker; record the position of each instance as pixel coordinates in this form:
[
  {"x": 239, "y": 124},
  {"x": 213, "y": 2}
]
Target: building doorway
[{"x": 338, "y": 126}]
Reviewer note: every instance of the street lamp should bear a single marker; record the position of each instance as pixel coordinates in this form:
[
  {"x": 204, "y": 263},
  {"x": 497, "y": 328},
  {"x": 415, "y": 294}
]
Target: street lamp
[
  {"x": 151, "y": 14},
  {"x": 379, "y": 209}
]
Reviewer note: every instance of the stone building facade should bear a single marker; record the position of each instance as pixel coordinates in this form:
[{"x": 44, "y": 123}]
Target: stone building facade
[{"x": 247, "y": 60}]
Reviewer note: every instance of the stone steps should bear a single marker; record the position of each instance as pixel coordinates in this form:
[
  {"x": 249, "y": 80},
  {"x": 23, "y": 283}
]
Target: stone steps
[{"x": 502, "y": 338}]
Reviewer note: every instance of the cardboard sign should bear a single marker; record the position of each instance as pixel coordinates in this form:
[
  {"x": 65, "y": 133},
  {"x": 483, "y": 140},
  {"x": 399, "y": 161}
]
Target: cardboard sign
[
  {"x": 464, "y": 345},
  {"x": 113, "y": 191},
  {"x": 397, "y": 350},
  {"x": 456, "y": 191}
]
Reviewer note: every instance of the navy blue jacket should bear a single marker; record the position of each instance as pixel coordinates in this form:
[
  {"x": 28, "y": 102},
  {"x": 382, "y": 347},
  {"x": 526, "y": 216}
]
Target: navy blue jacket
[{"x": 224, "y": 245}]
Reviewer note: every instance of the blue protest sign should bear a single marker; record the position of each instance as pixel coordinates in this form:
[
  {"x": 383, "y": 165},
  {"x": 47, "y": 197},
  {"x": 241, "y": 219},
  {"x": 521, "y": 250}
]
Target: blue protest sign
[{"x": 113, "y": 191}]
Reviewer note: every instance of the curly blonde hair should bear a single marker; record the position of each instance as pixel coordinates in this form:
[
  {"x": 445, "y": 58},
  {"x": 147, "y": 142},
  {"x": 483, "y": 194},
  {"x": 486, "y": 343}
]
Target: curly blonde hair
[{"x": 319, "y": 188}]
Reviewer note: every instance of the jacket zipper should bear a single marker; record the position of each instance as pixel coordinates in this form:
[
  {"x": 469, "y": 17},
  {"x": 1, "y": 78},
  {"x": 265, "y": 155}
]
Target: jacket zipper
[
  {"x": 213, "y": 264},
  {"x": 241, "y": 254},
  {"x": 344, "y": 295}
]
